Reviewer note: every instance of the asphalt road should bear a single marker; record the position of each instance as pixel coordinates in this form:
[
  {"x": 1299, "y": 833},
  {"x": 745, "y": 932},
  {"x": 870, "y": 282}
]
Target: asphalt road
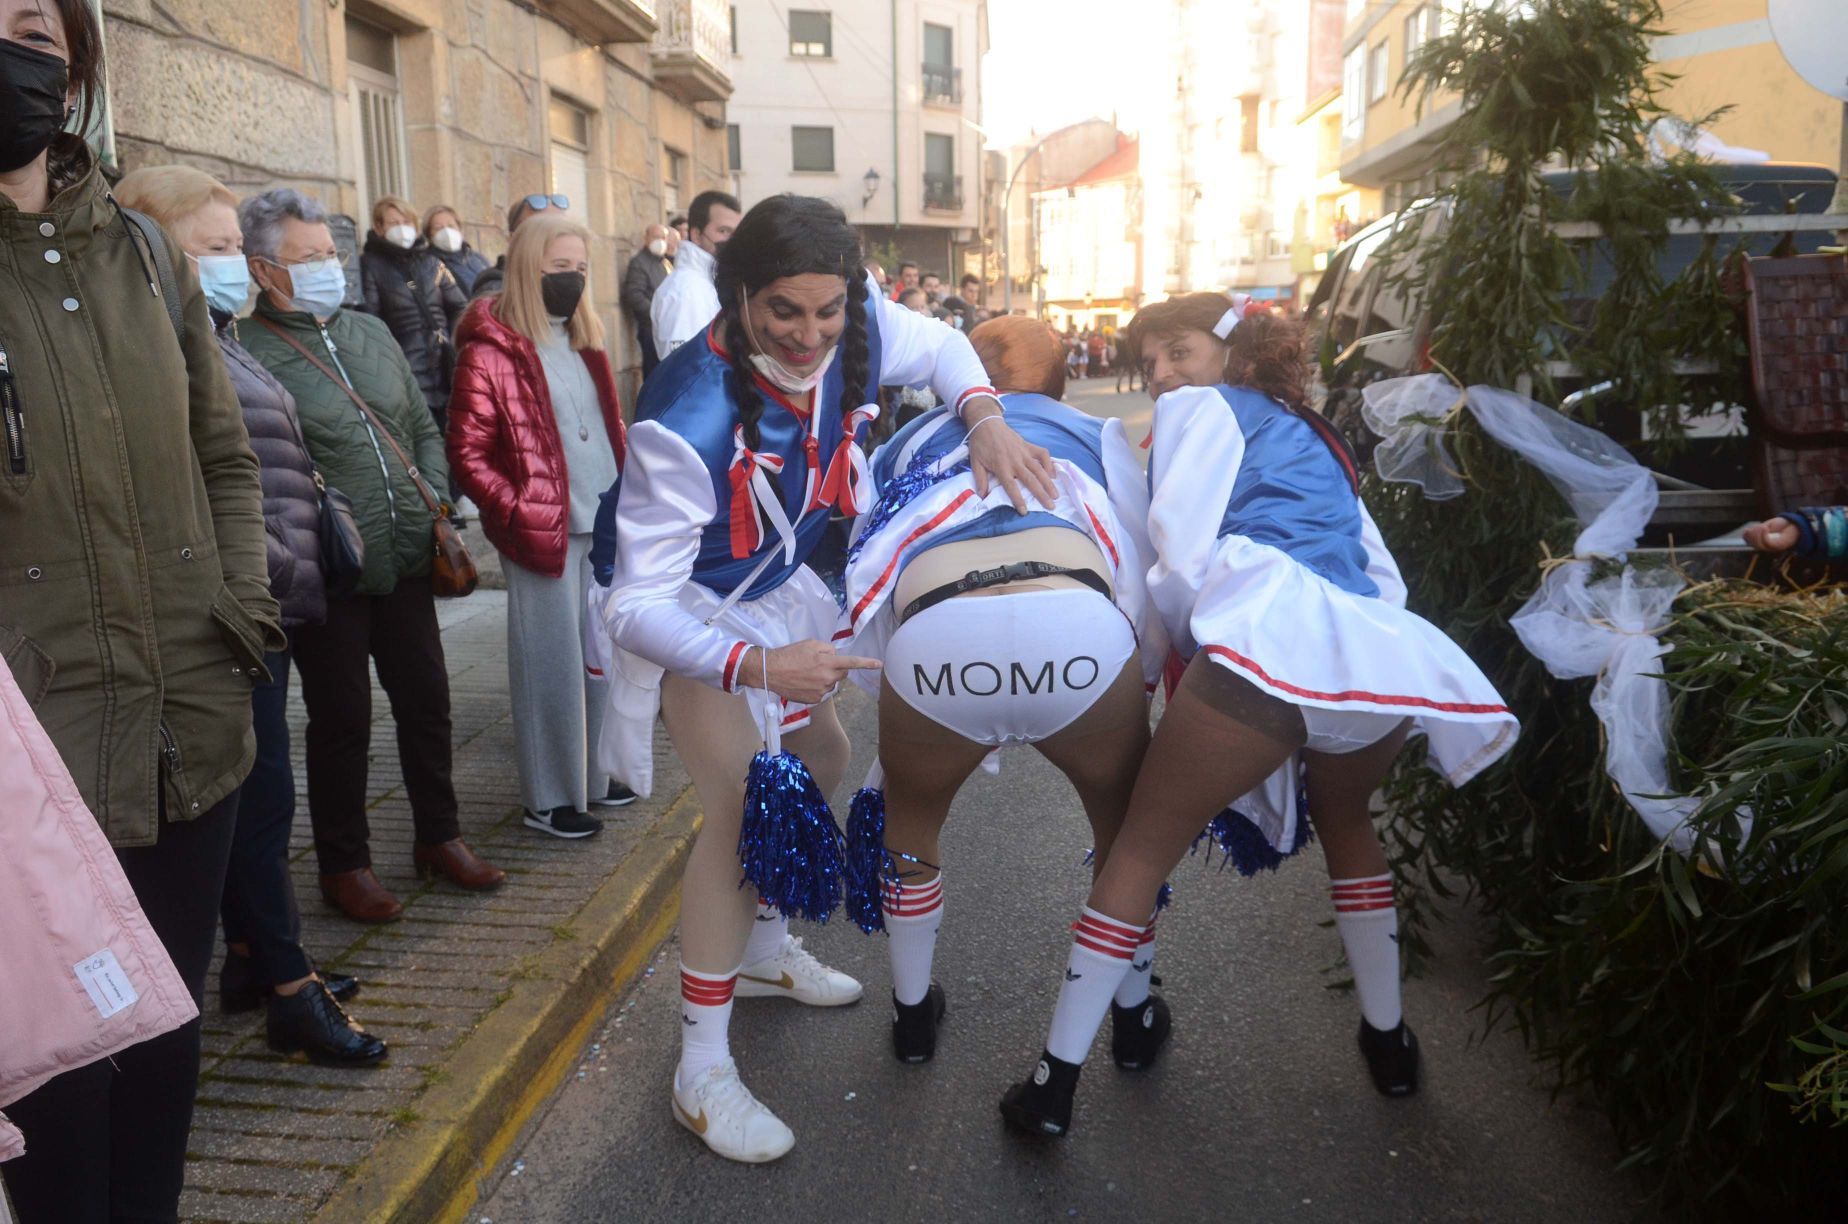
[{"x": 1259, "y": 1111}]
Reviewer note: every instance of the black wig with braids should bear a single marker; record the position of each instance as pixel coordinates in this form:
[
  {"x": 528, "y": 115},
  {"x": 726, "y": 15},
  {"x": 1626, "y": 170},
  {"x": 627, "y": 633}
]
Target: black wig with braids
[{"x": 791, "y": 235}]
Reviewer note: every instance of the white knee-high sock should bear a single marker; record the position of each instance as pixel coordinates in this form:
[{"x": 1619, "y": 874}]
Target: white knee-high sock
[
  {"x": 1134, "y": 990},
  {"x": 913, "y": 913},
  {"x": 1369, "y": 926},
  {"x": 767, "y": 935},
  {"x": 705, "y": 1020},
  {"x": 1100, "y": 956}
]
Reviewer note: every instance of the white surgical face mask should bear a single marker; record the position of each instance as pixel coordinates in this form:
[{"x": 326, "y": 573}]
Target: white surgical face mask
[
  {"x": 787, "y": 380},
  {"x": 658, "y": 247},
  {"x": 449, "y": 238},
  {"x": 401, "y": 236}
]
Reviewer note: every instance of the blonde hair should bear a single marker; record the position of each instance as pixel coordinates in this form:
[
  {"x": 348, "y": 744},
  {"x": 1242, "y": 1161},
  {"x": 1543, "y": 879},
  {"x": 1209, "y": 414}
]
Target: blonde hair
[
  {"x": 430, "y": 215},
  {"x": 172, "y": 194},
  {"x": 398, "y": 202},
  {"x": 522, "y": 305}
]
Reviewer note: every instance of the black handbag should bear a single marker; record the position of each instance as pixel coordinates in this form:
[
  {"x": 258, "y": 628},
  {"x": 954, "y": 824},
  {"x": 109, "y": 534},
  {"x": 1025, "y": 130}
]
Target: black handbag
[{"x": 343, "y": 549}]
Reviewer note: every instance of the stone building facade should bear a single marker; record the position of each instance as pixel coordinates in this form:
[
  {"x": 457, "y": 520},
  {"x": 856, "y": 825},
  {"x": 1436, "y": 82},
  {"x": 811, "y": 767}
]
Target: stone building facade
[{"x": 619, "y": 104}]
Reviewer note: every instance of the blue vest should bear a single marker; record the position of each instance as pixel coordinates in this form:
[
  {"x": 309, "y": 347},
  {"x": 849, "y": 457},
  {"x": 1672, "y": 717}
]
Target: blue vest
[
  {"x": 1067, "y": 433},
  {"x": 693, "y": 392},
  {"x": 1294, "y": 494}
]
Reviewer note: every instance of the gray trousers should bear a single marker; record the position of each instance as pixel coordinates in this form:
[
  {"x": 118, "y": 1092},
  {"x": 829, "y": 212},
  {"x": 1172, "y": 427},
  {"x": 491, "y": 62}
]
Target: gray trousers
[{"x": 557, "y": 705}]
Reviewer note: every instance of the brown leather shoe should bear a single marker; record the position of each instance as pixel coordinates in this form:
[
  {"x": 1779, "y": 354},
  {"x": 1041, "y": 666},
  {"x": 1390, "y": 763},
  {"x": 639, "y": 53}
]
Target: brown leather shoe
[
  {"x": 360, "y": 896},
  {"x": 462, "y": 866}
]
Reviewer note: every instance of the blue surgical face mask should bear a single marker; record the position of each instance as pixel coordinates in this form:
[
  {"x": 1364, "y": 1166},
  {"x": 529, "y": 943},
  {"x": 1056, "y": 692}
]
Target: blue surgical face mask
[
  {"x": 226, "y": 281},
  {"x": 320, "y": 287}
]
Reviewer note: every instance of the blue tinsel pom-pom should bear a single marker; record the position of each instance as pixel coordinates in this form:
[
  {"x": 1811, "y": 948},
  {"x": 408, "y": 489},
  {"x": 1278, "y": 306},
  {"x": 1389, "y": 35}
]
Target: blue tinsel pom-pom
[
  {"x": 866, "y": 865},
  {"x": 1243, "y": 846},
  {"x": 896, "y": 495},
  {"x": 788, "y": 841}
]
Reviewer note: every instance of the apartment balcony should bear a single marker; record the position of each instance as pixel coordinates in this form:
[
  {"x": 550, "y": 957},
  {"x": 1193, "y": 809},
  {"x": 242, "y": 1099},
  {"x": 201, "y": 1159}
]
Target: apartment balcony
[
  {"x": 943, "y": 193},
  {"x": 692, "y": 50},
  {"x": 942, "y": 85},
  {"x": 610, "y": 21}
]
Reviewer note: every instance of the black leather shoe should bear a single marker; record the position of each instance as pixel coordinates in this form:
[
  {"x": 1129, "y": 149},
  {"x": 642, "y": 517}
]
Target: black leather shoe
[
  {"x": 310, "y": 1021},
  {"x": 914, "y": 1026},
  {"x": 1042, "y": 1103},
  {"x": 240, "y": 990},
  {"x": 1138, "y": 1033},
  {"x": 1392, "y": 1058},
  {"x": 618, "y": 795}
]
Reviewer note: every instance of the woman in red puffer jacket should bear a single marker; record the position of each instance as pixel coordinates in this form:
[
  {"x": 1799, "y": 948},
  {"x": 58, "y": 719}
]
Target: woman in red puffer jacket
[{"x": 535, "y": 437}]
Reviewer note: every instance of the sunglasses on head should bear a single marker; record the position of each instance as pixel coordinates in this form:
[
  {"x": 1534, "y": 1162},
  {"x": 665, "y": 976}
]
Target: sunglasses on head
[{"x": 539, "y": 202}]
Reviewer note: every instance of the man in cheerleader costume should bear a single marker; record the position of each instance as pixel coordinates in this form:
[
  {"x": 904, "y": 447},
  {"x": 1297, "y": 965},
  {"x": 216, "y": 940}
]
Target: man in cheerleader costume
[
  {"x": 996, "y": 628},
  {"x": 747, "y": 439},
  {"x": 1289, "y": 613}
]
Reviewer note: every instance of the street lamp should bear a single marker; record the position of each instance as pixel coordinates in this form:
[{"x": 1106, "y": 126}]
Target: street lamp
[
  {"x": 1007, "y": 193},
  {"x": 871, "y": 182}
]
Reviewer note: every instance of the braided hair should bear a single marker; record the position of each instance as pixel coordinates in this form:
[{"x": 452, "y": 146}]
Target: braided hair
[{"x": 790, "y": 235}]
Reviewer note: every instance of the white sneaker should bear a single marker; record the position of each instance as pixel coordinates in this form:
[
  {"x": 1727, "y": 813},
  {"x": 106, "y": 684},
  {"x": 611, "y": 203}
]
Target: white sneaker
[
  {"x": 795, "y": 974},
  {"x": 723, "y": 1113}
]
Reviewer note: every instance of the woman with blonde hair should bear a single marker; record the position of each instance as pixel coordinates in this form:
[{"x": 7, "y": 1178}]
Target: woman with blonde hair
[{"x": 535, "y": 437}]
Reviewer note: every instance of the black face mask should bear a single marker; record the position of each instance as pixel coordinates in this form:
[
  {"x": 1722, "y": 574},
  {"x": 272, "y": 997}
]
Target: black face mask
[
  {"x": 561, "y": 291},
  {"x": 32, "y": 107}
]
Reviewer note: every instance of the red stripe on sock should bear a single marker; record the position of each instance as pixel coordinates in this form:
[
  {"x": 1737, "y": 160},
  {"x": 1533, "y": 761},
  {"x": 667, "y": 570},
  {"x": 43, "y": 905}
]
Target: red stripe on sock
[
  {"x": 707, "y": 992},
  {"x": 1360, "y": 890},
  {"x": 1110, "y": 950},
  {"x": 1113, "y": 939},
  {"x": 1107, "y": 923},
  {"x": 1355, "y": 907}
]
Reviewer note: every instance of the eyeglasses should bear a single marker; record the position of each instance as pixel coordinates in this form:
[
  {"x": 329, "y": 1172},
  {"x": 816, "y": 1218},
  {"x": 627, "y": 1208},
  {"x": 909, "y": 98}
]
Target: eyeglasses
[{"x": 539, "y": 202}]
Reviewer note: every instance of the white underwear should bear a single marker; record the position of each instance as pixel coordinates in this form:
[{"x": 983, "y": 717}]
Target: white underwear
[
  {"x": 1011, "y": 668},
  {"x": 1343, "y": 731}
]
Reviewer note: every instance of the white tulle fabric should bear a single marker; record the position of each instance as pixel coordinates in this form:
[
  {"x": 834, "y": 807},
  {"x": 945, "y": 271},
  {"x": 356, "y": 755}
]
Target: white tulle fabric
[{"x": 1576, "y": 626}]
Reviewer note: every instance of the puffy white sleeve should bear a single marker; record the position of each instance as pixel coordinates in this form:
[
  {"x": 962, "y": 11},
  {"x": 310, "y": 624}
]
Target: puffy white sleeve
[
  {"x": 667, "y": 501},
  {"x": 916, "y": 349},
  {"x": 1198, "y": 449},
  {"x": 682, "y": 307},
  {"x": 1129, "y": 502}
]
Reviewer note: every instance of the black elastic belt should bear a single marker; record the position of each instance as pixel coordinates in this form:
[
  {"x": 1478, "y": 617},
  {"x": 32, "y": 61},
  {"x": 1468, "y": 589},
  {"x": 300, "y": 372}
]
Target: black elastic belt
[{"x": 1018, "y": 571}]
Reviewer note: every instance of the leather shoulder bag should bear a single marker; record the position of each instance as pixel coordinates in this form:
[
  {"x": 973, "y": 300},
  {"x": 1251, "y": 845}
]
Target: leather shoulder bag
[{"x": 452, "y": 570}]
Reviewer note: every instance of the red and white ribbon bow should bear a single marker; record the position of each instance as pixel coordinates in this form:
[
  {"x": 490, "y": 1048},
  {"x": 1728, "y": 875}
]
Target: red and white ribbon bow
[
  {"x": 848, "y": 485},
  {"x": 755, "y": 497}
]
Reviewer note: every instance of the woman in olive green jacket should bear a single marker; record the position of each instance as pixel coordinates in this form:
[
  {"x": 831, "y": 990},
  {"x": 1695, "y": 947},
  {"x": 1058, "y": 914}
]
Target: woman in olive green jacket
[
  {"x": 391, "y": 618},
  {"x": 134, "y": 596}
]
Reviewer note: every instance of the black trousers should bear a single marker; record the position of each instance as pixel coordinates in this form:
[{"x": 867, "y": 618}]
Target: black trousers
[
  {"x": 644, "y": 338},
  {"x": 107, "y": 1142},
  {"x": 398, "y": 633},
  {"x": 259, "y": 905}
]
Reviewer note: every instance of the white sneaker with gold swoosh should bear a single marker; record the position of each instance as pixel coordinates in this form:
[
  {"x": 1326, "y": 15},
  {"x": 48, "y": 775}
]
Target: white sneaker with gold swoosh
[
  {"x": 794, "y": 973},
  {"x": 722, "y": 1112}
]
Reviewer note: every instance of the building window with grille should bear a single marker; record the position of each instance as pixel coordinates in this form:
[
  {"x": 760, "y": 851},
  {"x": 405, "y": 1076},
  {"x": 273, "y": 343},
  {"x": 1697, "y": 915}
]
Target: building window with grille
[
  {"x": 734, "y": 148},
  {"x": 811, "y": 34},
  {"x": 942, "y": 185},
  {"x": 372, "y": 88},
  {"x": 942, "y": 79},
  {"x": 1378, "y": 64},
  {"x": 812, "y": 149},
  {"x": 570, "y": 132},
  {"x": 673, "y": 178}
]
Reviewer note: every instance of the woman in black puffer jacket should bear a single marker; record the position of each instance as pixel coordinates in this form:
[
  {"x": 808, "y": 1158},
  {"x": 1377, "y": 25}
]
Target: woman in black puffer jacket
[
  {"x": 264, "y": 960},
  {"x": 403, "y": 283}
]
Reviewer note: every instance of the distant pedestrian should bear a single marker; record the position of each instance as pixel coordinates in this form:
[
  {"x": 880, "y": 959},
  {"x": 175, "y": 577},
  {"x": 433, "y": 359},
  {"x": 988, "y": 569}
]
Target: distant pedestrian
[
  {"x": 1127, "y": 365},
  {"x": 442, "y": 227},
  {"x": 265, "y": 965},
  {"x": 390, "y": 620},
  {"x": 647, "y": 269},
  {"x": 907, "y": 278},
  {"x": 1097, "y": 354},
  {"x": 686, "y": 301},
  {"x": 536, "y": 437},
  {"x": 135, "y": 609},
  {"x": 405, "y": 284},
  {"x": 678, "y": 223}
]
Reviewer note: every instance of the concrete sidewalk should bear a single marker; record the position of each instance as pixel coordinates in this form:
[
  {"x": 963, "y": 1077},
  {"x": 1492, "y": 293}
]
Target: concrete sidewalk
[{"x": 476, "y": 994}]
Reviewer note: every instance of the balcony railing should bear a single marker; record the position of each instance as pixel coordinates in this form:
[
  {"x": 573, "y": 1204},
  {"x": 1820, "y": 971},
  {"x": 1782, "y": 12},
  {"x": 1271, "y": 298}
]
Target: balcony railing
[
  {"x": 943, "y": 192},
  {"x": 943, "y": 83},
  {"x": 692, "y": 52}
]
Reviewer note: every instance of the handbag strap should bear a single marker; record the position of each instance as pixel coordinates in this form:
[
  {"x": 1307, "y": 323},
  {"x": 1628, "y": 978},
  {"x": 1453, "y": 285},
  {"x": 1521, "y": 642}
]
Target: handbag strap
[{"x": 423, "y": 489}]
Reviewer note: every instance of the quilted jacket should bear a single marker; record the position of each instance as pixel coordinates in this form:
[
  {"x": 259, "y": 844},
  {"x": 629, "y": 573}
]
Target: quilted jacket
[
  {"x": 393, "y": 518},
  {"x": 291, "y": 504},
  {"x": 503, "y": 438},
  {"x": 421, "y": 304}
]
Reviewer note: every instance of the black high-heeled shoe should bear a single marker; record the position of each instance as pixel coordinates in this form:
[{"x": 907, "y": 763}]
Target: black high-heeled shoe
[
  {"x": 240, "y": 990},
  {"x": 309, "y": 1021}
]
